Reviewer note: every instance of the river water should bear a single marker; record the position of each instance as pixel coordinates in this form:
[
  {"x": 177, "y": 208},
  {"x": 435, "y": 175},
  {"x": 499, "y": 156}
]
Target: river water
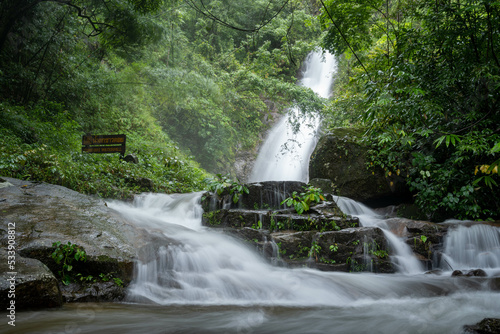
[{"x": 208, "y": 282}]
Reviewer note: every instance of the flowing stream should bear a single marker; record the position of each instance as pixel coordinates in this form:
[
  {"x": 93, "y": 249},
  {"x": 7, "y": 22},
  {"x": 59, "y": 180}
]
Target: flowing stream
[
  {"x": 202, "y": 281},
  {"x": 206, "y": 282}
]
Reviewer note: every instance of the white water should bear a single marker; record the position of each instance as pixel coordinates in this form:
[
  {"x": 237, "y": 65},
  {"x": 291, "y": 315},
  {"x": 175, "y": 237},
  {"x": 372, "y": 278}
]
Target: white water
[
  {"x": 202, "y": 267},
  {"x": 285, "y": 154},
  {"x": 402, "y": 256},
  {"x": 472, "y": 247},
  {"x": 205, "y": 282},
  {"x": 218, "y": 285}
]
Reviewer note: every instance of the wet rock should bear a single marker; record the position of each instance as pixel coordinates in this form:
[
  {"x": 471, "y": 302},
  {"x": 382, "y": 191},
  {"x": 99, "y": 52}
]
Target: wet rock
[
  {"x": 144, "y": 183},
  {"x": 494, "y": 283},
  {"x": 236, "y": 218},
  {"x": 424, "y": 238},
  {"x": 42, "y": 214},
  {"x": 295, "y": 247},
  {"x": 485, "y": 326},
  {"x": 361, "y": 249},
  {"x": 131, "y": 158},
  {"x": 262, "y": 196},
  {"x": 35, "y": 285},
  {"x": 325, "y": 216},
  {"x": 324, "y": 184},
  {"x": 352, "y": 249},
  {"x": 339, "y": 157},
  {"x": 93, "y": 292},
  {"x": 474, "y": 272}
]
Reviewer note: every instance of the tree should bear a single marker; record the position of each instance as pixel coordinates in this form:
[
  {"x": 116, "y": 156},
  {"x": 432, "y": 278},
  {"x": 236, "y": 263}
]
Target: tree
[
  {"x": 432, "y": 103},
  {"x": 100, "y": 16}
]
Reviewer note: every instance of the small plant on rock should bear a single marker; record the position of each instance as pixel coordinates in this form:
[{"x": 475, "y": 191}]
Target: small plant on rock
[
  {"x": 64, "y": 255},
  {"x": 302, "y": 202},
  {"x": 220, "y": 183}
]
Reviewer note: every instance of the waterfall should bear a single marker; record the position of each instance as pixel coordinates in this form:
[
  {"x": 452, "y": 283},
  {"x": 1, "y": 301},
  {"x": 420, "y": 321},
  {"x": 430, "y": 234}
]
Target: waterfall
[
  {"x": 200, "y": 266},
  {"x": 472, "y": 247},
  {"x": 274, "y": 163},
  {"x": 285, "y": 154},
  {"x": 402, "y": 256}
]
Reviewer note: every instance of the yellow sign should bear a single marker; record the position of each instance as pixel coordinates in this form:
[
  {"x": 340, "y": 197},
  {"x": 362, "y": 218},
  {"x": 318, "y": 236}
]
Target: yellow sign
[{"x": 89, "y": 144}]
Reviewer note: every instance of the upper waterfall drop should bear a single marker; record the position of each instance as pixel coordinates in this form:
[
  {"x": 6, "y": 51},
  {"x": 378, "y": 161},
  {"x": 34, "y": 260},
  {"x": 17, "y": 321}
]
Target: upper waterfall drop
[{"x": 285, "y": 154}]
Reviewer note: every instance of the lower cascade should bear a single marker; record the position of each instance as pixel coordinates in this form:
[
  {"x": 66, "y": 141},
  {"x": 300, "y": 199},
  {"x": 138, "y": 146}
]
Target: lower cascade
[
  {"x": 200, "y": 266},
  {"x": 403, "y": 257},
  {"x": 471, "y": 247}
]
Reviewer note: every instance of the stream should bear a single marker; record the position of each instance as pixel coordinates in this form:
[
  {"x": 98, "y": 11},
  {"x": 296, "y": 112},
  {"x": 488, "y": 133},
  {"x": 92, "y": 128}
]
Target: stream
[{"x": 208, "y": 282}]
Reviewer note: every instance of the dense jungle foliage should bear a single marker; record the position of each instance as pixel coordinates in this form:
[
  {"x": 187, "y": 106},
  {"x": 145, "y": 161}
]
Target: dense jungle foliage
[
  {"x": 189, "y": 91},
  {"x": 423, "y": 76},
  {"x": 193, "y": 83}
]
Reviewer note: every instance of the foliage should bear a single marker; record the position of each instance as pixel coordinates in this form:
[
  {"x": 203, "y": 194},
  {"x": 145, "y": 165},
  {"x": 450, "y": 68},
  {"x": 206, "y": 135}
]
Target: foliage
[
  {"x": 53, "y": 154},
  {"x": 67, "y": 256},
  {"x": 315, "y": 250},
  {"x": 302, "y": 202},
  {"x": 424, "y": 80},
  {"x": 334, "y": 247},
  {"x": 220, "y": 183},
  {"x": 64, "y": 255},
  {"x": 155, "y": 70}
]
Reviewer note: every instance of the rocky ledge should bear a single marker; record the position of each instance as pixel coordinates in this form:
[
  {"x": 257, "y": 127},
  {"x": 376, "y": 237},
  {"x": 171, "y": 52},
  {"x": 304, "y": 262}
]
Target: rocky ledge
[{"x": 324, "y": 237}]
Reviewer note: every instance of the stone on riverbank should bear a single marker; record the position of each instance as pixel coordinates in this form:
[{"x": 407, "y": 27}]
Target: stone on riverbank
[{"x": 41, "y": 214}]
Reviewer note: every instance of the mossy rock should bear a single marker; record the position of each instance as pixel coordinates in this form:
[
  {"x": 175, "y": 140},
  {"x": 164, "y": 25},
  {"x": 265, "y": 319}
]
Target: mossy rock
[{"x": 341, "y": 158}]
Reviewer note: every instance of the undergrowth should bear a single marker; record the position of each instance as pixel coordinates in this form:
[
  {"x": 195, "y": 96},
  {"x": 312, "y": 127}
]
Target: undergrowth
[{"x": 40, "y": 144}]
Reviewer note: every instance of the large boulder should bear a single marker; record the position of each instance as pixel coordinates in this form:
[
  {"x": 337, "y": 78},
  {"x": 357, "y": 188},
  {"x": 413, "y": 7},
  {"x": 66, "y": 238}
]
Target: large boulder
[
  {"x": 40, "y": 214},
  {"x": 341, "y": 158}
]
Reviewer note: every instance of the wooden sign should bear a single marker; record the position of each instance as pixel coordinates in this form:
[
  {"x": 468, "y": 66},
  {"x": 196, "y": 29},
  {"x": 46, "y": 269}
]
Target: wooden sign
[{"x": 104, "y": 144}]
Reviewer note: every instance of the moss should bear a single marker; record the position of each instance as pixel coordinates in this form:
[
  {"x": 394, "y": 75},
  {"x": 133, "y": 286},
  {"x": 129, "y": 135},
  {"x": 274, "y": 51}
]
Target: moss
[{"x": 211, "y": 217}]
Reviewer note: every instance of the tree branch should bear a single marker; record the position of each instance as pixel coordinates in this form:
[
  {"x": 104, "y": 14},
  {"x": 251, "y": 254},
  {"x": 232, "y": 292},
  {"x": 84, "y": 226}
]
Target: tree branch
[
  {"x": 206, "y": 12},
  {"x": 345, "y": 40}
]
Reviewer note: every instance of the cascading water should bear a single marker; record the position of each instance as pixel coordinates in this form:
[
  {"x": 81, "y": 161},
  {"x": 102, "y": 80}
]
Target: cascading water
[
  {"x": 472, "y": 247},
  {"x": 201, "y": 281},
  {"x": 285, "y": 154},
  {"x": 402, "y": 255},
  {"x": 202, "y": 268}
]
